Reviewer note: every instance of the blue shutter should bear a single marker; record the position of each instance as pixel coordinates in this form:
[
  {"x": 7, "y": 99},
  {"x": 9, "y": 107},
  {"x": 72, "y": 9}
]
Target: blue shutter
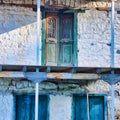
[
  {"x": 25, "y": 107},
  {"x": 96, "y": 108},
  {"x": 80, "y": 108},
  {"x": 43, "y": 109}
]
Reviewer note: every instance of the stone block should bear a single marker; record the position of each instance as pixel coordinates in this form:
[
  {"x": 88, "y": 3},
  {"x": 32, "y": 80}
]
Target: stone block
[
  {"x": 47, "y": 86},
  {"x": 21, "y": 84}
]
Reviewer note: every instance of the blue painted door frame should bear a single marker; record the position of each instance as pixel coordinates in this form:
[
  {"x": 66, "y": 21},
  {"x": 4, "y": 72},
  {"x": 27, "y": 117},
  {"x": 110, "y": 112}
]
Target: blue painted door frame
[
  {"x": 25, "y": 107},
  {"x": 97, "y": 107}
]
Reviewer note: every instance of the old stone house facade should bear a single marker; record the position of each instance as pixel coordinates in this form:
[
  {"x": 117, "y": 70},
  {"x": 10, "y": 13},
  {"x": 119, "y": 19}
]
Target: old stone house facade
[{"x": 75, "y": 38}]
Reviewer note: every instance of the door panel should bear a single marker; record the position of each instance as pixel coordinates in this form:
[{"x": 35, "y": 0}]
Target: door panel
[
  {"x": 25, "y": 107},
  {"x": 51, "y": 38},
  {"x": 66, "y": 54},
  {"x": 66, "y": 39},
  {"x": 51, "y": 53},
  {"x": 43, "y": 110},
  {"x": 96, "y": 108},
  {"x": 80, "y": 108}
]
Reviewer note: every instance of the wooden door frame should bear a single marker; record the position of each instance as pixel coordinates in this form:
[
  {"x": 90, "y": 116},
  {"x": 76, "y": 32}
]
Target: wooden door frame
[
  {"x": 32, "y": 94},
  {"x": 75, "y": 60},
  {"x": 96, "y": 95}
]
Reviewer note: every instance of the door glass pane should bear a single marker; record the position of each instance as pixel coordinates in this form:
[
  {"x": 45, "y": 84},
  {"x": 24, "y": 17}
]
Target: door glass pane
[
  {"x": 52, "y": 28},
  {"x": 66, "y": 26}
]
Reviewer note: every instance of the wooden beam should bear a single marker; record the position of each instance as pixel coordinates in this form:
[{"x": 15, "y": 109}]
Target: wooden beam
[
  {"x": 68, "y": 70},
  {"x": 12, "y": 74},
  {"x": 103, "y": 8},
  {"x": 51, "y": 75},
  {"x": 59, "y": 75},
  {"x": 79, "y": 76}
]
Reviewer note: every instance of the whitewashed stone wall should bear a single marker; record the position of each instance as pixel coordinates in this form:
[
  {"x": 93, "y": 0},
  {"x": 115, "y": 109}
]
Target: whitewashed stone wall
[
  {"x": 60, "y": 104},
  {"x": 18, "y": 46},
  {"x": 17, "y": 35},
  {"x": 94, "y": 39}
]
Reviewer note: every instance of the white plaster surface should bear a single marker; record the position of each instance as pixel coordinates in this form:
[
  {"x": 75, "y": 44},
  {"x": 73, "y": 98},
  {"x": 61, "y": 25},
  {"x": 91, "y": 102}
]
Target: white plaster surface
[
  {"x": 94, "y": 39},
  {"x": 17, "y": 36},
  {"x": 6, "y": 106},
  {"x": 60, "y": 107}
]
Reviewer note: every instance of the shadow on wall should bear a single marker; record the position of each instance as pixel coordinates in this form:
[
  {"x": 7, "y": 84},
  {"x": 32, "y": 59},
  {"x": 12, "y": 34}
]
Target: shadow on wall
[
  {"x": 17, "y": 35},
  {"x": 12, "y": 17}
]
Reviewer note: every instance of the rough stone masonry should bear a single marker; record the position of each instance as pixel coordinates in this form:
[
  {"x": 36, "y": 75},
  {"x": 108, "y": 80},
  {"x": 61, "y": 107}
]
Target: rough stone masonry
[{"x": 17, "y": 46}]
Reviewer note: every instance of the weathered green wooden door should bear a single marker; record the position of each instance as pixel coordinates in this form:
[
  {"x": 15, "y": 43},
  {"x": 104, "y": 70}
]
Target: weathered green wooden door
[
  {"x": 25, "y": 107},
  {"x": 66, "y": 39},
  {"x": 59, "y": 38},
  {"x": 95, "y": 108}
]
